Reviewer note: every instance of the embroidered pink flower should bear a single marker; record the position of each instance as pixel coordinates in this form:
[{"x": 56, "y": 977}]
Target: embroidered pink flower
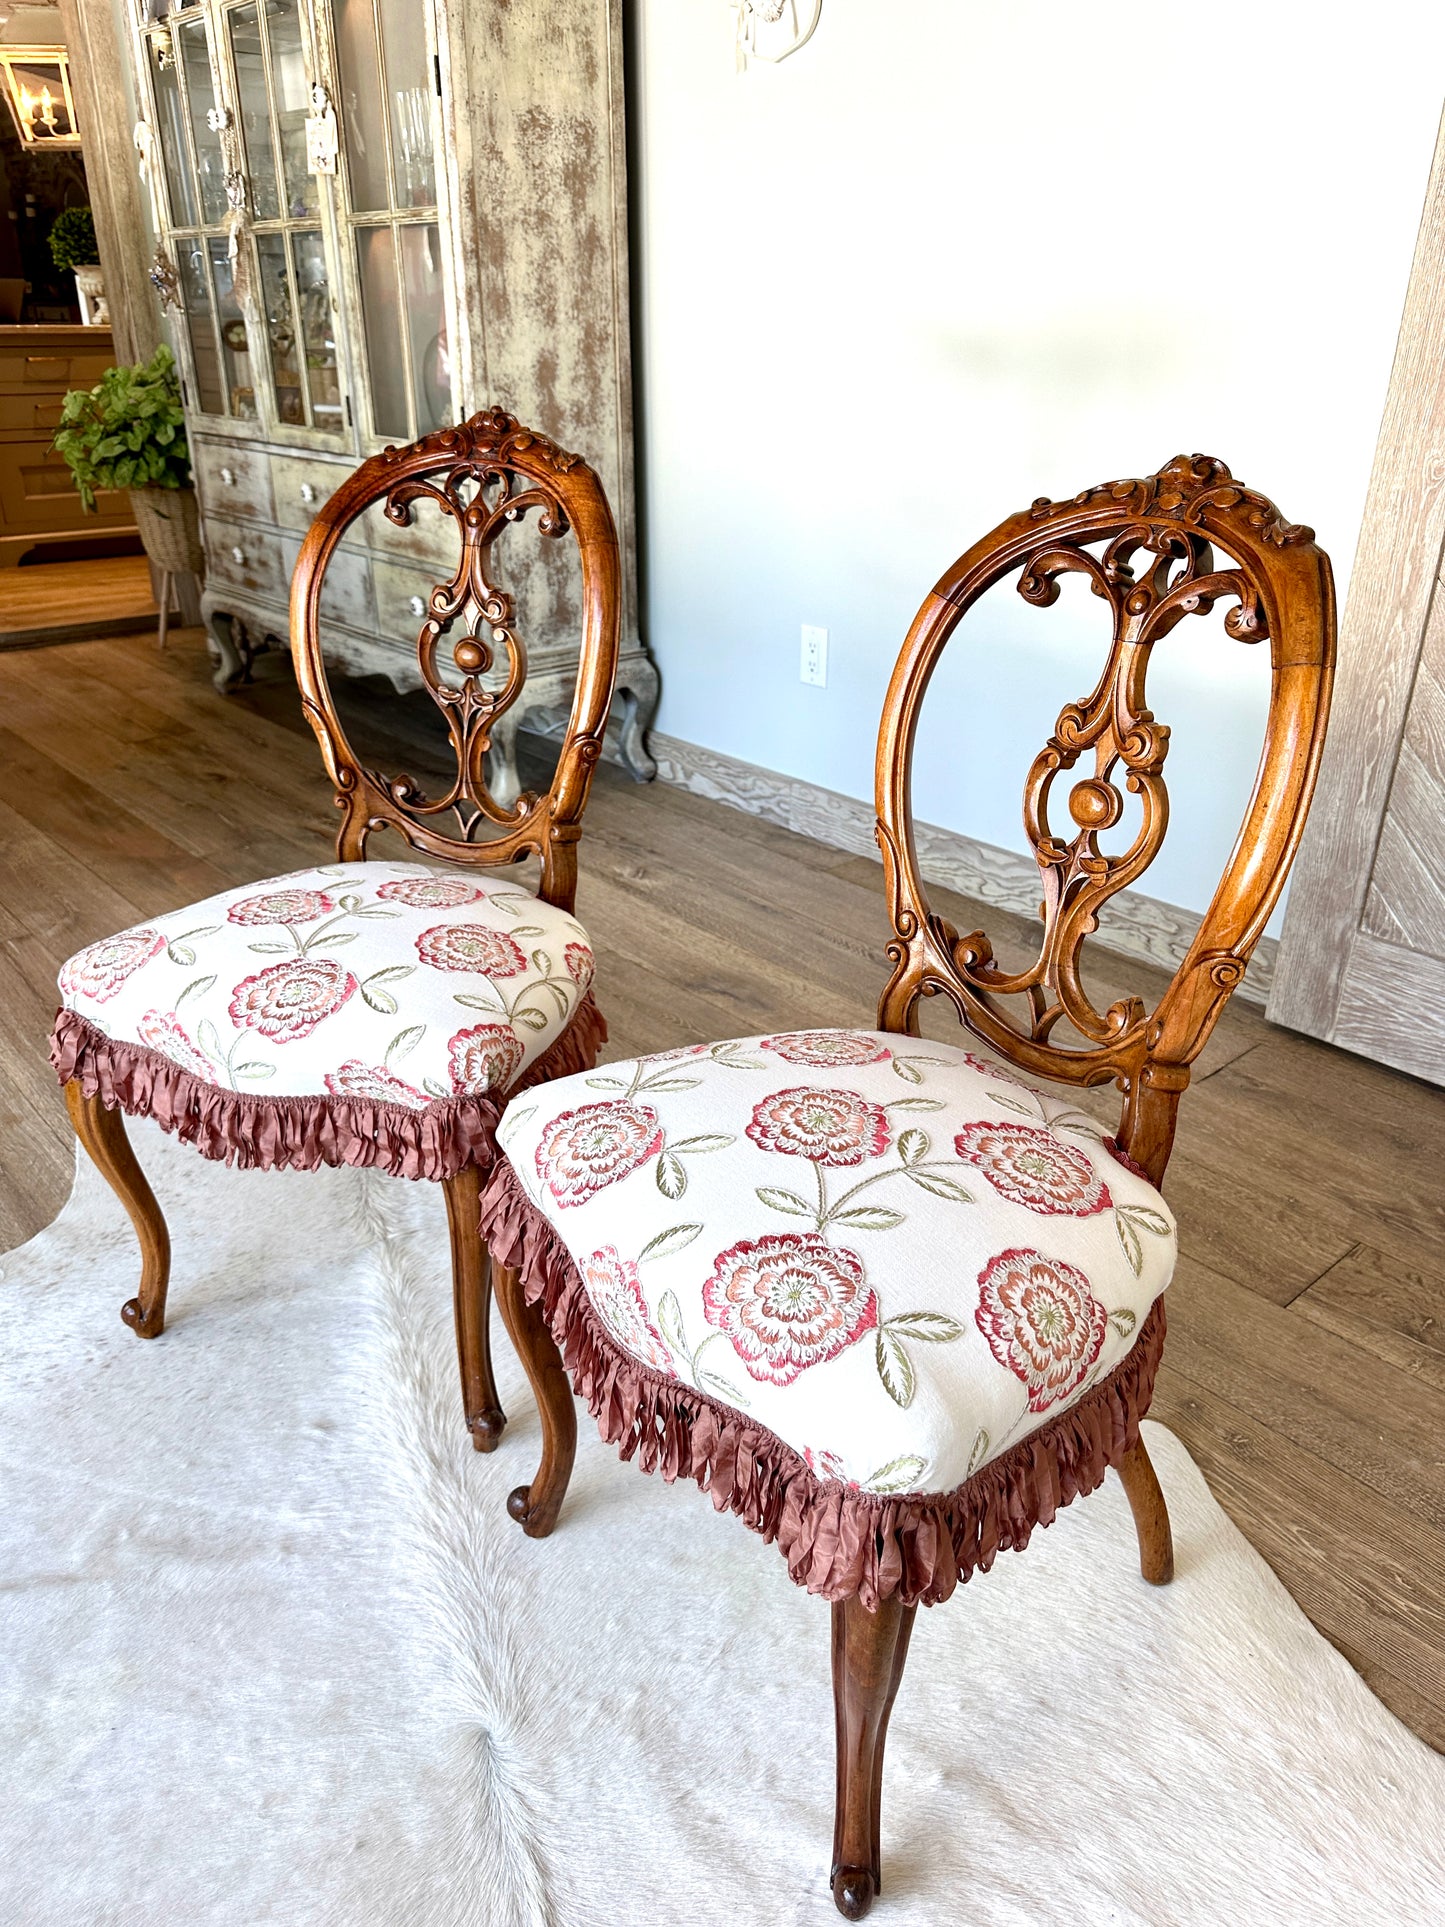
[
  {"x": 827, "y": 1465},
  {"x": 288, "y": 1001},
  {"x": 827, "y": 1127},
  {"x": 581, "y": 967},
  {"x": 827, "y": 1049},
  {"x": 162, "y": 1031},
  {"x": 374, "y": 1081},
  {"x": 485, "y": 1058},
  {"x": 1042, "y": 1321},
  {"x": 101, "y": 968},
  {"x": 999, "y": 1072},
  {"x": 471, "y": 946},
  {"x": 583, "y": 1151},
  {"x": 1029, "y": 1166},
  {"x": 616, "y": 1292},
  {"x": 789, "y": 1301},
  {"x": 430, "y": 893},
  {"x": 282, "y": 906}
]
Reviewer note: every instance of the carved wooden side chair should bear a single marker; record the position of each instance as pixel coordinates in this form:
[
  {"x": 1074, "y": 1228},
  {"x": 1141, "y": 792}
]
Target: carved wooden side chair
[
  {"x": 900, "y": 1366},
  {"x": 366, "y": 1012}
]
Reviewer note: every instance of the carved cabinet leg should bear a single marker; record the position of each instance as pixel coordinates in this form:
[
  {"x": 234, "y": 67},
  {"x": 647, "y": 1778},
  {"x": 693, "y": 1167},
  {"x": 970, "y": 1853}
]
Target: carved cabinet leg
[
  {"x": 102, "y": 1132},
  {"x": 472, "y": 1303},
  {"x": 536, "y": 1506},
  {"x": 1151, "y": 1516},
  {"x": 869, "y": 1650}
]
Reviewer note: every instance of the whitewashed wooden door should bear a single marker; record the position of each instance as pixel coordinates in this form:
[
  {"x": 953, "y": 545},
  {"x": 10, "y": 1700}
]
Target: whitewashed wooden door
[{"x": 1362, "y": 959}]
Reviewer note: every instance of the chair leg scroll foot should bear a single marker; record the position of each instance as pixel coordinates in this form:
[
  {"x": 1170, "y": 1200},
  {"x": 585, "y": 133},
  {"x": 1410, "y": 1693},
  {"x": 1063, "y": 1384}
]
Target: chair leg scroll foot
[
  {"x": 1151, "y": 1516},
  {"x": 869, "y": 1650},
  {"x": 472, "y": 1305},
  {"x": 102, "y": 1133},
  {"x": 535, "y": 1506}
]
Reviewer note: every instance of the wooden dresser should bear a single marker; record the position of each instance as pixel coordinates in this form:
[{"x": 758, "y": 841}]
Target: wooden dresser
[{"x": 38, "y": 501}]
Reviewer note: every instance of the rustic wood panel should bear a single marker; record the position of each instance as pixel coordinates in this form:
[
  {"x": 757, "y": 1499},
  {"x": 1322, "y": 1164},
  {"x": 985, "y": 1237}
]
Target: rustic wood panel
[{"x": 1300, "y": 1173}]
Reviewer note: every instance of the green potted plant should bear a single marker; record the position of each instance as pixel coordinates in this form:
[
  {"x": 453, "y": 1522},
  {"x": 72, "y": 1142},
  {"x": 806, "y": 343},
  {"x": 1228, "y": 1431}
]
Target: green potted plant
[
  {"x": 72, "y": 245},
  {"x": 129, "y": 432}
]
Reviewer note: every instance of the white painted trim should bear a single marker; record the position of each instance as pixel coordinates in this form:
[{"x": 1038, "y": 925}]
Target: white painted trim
[{"x": 1136, "y": 925}]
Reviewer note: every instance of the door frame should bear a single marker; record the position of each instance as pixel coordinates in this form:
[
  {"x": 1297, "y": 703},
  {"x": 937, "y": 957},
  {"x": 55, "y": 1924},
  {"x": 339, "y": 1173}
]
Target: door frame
[{"x": 1392, "y": 599}]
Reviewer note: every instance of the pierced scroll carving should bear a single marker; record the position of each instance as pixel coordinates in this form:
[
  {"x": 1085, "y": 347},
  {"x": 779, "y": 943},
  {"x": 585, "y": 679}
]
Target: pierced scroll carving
[
  {"x": 1147, "y": 549},
  {"x": 486, "y": 476}
]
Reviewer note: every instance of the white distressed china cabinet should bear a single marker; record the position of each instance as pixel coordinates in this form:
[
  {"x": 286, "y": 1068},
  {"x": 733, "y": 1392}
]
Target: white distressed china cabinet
[{"x": 372, "y": 218}]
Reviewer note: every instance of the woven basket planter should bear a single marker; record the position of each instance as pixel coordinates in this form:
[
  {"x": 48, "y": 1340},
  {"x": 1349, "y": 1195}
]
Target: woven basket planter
[{"x": 170, "y": 528}]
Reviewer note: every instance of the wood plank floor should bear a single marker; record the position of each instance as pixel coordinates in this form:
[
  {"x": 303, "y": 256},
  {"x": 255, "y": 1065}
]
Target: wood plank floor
[{"x": 1306, "y": 1362}]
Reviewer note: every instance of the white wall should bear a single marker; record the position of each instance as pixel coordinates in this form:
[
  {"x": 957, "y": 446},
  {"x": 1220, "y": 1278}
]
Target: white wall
[{"x": 955, "y": 254}]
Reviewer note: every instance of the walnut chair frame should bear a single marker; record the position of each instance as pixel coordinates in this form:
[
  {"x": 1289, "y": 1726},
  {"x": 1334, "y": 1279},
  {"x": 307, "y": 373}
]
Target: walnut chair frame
[
  {"x": 1147, "y": 549},
  {"x": 485, "y": 476}
]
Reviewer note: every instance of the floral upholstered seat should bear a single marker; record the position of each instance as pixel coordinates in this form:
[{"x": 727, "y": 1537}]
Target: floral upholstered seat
[
  {"x": 892, "y": 1256},
  {"x": 390, "y": 994}
]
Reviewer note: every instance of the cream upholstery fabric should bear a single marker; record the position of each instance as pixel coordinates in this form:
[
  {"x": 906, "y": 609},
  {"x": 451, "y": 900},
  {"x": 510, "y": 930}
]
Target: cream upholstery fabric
[
  {"x": 895, "y": 1255},
  {"x": 386, "y": 981}
]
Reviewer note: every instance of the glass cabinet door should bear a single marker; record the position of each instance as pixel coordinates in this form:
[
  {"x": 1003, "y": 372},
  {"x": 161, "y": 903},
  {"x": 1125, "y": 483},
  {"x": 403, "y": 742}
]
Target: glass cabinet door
[{"x": 388, "y": 122}]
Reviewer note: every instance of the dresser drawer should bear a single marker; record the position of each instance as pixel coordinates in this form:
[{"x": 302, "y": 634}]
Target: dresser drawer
[
  {"x": 232, "y": 481},
  {"x": 22, "y": 374},
  {"x": 345, "y": 588},
  {"x": 433, "y": 540},
  {"x": 403, "y": 592},
  {"x": 302, "y": 487},
  {"x": 241, "y": 556}
]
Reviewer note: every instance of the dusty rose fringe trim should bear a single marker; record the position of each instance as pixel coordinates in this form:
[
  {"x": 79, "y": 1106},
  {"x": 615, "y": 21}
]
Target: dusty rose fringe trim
[
  {"x": 300, "y": 1133},
  {"x": 838, "y": 1542}
]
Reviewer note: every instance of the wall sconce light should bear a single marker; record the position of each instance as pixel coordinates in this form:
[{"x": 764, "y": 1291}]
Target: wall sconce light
[{"x": 37, "y": 91}]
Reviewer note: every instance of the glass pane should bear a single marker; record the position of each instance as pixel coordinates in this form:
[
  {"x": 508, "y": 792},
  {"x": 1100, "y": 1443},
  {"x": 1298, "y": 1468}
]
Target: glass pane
[
  {"x": 280, "y": 329},
  {"x": 196, "y": 301},
  {"x": 235, "y": 343},
  {"x": 409, "y": 95},
  {"x": 431, "y": 361},
  {"x": 318, "y": 330},
  {"x": 292, "y": 105},
  {"x": 376, "y": 258},
  {"x": 362, "y": 128},
  {"x": 190, "y": 44},
  {"x": 169, "y": 112},
  {"x": 250, "y": 68}
]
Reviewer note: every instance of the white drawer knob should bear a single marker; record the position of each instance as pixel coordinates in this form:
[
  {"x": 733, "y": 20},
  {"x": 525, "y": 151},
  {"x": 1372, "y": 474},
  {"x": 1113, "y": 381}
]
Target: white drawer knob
[
  {"x": 417, "y": 606},
  {"x": 238, "y": 555},
  {"x": 228, "y": 476},
  {"x": 308, "y": 493}
]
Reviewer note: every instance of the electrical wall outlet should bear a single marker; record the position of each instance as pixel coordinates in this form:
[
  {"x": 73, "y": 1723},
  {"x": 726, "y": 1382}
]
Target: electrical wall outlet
[{"x": 813, "y": 666}]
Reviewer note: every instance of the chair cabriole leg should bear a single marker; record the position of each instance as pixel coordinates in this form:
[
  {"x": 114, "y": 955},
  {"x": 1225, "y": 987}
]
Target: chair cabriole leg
[
  {"x": 535, "y": 1507},
  {"x": 471, "y": 1304},
  {"x": 869, "y": 1650},
  {"x": 102, "y": 1132},
  {"x": 1151, "y": 1516}
]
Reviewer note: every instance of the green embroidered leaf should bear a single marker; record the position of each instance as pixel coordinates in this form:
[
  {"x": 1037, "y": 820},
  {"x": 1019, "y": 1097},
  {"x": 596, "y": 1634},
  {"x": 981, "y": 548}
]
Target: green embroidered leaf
[
  {"x": 255, "y": 1071},
  {"x": 261, "y": 949},
  {"x": 393, "y": 973},
  {"x": 916, "y": 1104},
  {"x": 669, "y": 1320},
  {"x": 529, "y": 1015},
  {"x": 709, "y": 1141},
  {"x": 512, "y": 1122},
  {"x": 975, "y": 1457},
  {"x": 433, "y": 1089},
  {"x": 899, "y": 1475},
  {"x": 381, "y": 1001},
  {"x": 208, "y": 1040},
  {"x": 942, "y": 1186},
  {"x": 403, "y": 1044},
  {"x": 720, "y": 1387},
  {"x": 671, "y": 1177},
  {"x": 727, "y": 1056},
  {"x": 332, "y": 943},
  {"x": 1012, "y": 1104},
  {"x": 197, "y": 987},
  {"x": 666, "y": 1243},
  {"x": 870, "y": 1217},
  {"x": 492, "y": 1005},
  {"x": 929, "y": 1327},
  {"x": 605, "y": 1084},
  {"x": 895, "y": 1368},
  {"x": 914, "y": 1145},
  {"x": 786, "y": 1201},
  {"x": 903, "y": 1067},
  {"x": 542, "y": 962},
  {"x": 1123, "y": 1322},
  {"x": 528, "y": 930},
  {"x": 515, "y": 902},
  {"x": 669, "y": 1083},
  {"x": 1144, "y": 1219},
  {"x": 352, "y": 903},
  {"x": 1130, "y": 1242}
]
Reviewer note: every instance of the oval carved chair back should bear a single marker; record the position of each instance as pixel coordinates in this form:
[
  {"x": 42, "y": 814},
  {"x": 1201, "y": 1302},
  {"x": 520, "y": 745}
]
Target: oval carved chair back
[
  {"x": 1148, "y": 549},
  {"x": 486, "y": 476}
]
